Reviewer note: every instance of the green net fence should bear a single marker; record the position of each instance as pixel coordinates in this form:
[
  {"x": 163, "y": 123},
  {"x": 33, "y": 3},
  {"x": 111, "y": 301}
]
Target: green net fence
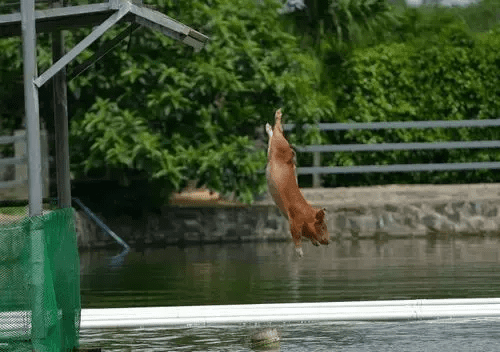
[{"x": 39, "y": 283}]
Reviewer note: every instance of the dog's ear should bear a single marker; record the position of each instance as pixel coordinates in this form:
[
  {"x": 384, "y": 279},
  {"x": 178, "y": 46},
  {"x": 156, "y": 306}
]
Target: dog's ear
[{"x": 320, "y": 215}]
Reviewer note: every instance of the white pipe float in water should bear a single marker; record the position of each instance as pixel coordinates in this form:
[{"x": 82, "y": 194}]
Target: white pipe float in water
[{"x": 290, "y": 312}]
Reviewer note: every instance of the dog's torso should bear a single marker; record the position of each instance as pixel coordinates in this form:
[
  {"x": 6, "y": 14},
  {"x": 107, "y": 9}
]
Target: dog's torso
[
  {"x": 282, "y": 183},
  {"x": 282, "y": 178}
]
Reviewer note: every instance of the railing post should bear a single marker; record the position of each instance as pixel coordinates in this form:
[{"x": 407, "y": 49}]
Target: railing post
[
  {"x": 44, "y": 147},
  {"x": 316, "y": 176},
  {"x": 21, "y": 172}
]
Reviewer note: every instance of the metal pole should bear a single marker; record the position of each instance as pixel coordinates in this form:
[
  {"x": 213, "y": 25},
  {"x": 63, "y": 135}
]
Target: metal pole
[
  {"x": 290, "y": 312},
  {"x": 31, "y": 107},
  {"x": 316, "y": 163},
  {"x": 38, "y": 331},
  {"x": 60, "y": 100}
]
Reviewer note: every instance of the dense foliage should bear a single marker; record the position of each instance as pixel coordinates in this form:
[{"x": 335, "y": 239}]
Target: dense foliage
[
  {"x": 452, "y": 75},
  {"x": 154, "y": 109}
]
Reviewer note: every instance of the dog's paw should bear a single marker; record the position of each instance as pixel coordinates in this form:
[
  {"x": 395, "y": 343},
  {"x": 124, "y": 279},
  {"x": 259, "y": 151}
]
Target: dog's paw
[
  {"x": 299, "y": 251},
  {"x": 269, "y": 130}
]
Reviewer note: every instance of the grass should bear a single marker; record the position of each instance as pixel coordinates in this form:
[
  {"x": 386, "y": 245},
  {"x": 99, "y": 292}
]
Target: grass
[
  {"x": 13, "y": 210},
  {"x": 23, "y": 210}
]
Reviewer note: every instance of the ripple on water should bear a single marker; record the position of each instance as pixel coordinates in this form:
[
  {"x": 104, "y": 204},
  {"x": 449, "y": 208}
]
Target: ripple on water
[{"x": 444, "y": 335}]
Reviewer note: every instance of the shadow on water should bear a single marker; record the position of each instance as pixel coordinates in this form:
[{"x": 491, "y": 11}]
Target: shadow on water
[{"x": 118, "y": 260}]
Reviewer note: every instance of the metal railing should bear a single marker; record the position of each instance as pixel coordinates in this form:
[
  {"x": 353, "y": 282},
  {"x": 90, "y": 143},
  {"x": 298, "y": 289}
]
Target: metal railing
[
  {"x": 316, "y": 170},
  {"x": 16, "y": 160},
  {"x": 102, "y": 225},
  {"x": 20, "y": 160}
]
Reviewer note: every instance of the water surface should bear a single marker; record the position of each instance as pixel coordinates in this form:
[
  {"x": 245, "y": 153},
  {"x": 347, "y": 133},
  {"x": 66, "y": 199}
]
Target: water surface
[
  {"x": 482, "y": 335},
  {"x": 271, "y": 273}
]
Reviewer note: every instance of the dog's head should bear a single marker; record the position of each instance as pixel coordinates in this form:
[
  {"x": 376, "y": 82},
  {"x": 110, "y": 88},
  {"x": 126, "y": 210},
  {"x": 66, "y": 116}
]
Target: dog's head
[{"x": 317, "y": 231}]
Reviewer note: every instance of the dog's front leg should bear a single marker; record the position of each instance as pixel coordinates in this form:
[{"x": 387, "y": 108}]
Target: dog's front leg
[{"x": 296, "y": 231}]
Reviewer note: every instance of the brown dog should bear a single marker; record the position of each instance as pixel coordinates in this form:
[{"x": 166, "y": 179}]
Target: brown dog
[{"x": 281, "y": 176}]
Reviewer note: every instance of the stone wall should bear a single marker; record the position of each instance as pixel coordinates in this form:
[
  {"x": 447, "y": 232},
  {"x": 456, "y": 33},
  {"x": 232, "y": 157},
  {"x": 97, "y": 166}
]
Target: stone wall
[
  {"x": 352, "y": 213},
  {"x": 184, "y": 225}
]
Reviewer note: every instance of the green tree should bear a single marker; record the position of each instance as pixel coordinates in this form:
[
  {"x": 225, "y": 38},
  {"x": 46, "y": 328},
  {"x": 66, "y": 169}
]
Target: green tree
[
  {"x": 11, "y": 93},
  {"x": 343, "y": 22},
  {"x": 162, "y": 111}
]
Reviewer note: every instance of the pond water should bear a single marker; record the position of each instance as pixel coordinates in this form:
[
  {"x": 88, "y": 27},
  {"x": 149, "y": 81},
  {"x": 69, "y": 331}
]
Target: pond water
[
  {"x": 471, "y": 335},
  {"x": 271, "y": 273}
]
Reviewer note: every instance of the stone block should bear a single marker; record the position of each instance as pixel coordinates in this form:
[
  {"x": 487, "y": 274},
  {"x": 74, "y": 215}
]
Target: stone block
[
  {"x": 192, "y": 237},
  {"x": 392, "y": 208},
  {"x": 474, "y": 208},
  {"x": 479, "y": 224},
  {"x": 192, "y": 224},
  {"x": 363, "y": 226},
  {"x": 341, "y": 222},
  {"x": 438, "y": 223},
  {"x": 490, "y": 210},
  {"x": 353, "y": 210}
]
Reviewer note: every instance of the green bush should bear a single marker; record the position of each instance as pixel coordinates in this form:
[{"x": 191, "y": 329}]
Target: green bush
[{"x": 452, "y": 75}]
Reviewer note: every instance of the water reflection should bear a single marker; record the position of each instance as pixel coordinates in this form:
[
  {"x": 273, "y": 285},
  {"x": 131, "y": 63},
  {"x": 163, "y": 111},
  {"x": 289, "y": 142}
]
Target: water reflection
[
  {"x": 117, "y": 261},
  {"x": 446, "y": 335},
  {"x": 271, "y": 273}
]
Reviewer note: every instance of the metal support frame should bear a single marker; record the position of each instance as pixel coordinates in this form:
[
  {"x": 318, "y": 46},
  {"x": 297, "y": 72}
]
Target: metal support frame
[
  {"x": 60, "y": 103},
  {"x": 111, "y": 12},
  {"x": 95, "y": 14},
  {"x": 34, "y": 170},
  {"x": 55, "y": 20},
  {"x": 31, "y": 107},
  {"x": 103, "y": 50},
  {"x": 84, "y": 44}
]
